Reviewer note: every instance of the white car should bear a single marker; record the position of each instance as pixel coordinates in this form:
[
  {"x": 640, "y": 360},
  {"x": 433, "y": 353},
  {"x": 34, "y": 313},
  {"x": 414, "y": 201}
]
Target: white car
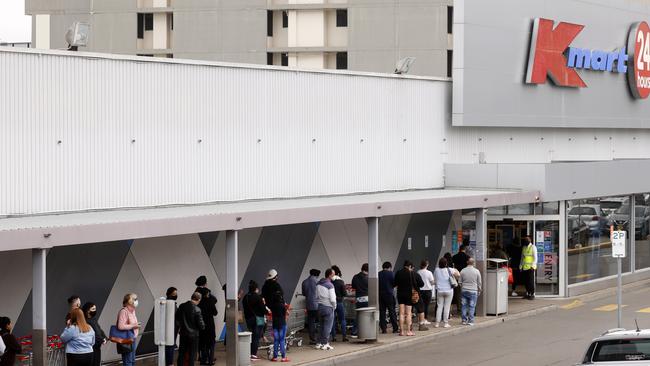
[{"x": 619, "y": 347}]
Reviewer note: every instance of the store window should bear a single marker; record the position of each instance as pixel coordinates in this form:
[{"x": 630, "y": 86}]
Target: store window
[
  {"x": 547, "y": 241},
  {"x": 642, "y": 231},
  {"x": 589, "y": 249}
]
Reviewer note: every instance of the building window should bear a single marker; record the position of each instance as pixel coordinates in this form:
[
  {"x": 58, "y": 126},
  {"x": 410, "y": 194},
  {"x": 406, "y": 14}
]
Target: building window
[
  {"x": 450, "y": 19},
  {"x": 148, "y": 22},
  {"x": 341, "y": 17},
  {"x": 285, "y": 19},
  {"x": 450, "y": 60},
  {"x": 140, "y": 26},
  {"x": 341, "y": 60},
  {"x": 269, "y": 58},
  {"x": 284, "y": 59},
  {"x": 269, "y": 23}
]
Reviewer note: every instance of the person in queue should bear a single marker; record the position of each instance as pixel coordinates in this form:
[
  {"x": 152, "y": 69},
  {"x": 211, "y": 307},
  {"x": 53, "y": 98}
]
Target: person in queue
[
  {"x": 172, "y": 295},
  {"x": 407, "y": 295},
  {"x": 190, "y": 324},
  {"x": 79, "y": 339},
  {"x": 386, "y": 279},
  {"x": 444, "y": 292},
  {"x": 339, "y": 311},
  {"x": 12, "y": 347},
  {"x": 254, "y": 314},
  {"x": 127, "y": 320},
  {"x": 208, "y": 335},
  {"x": 309, "y": 292},
  {"x": 426, "y": 293},
  {"x": 326, "y": 306},
  {"x": 90, "y": 312},
  {"x": 471, "y": 286}
]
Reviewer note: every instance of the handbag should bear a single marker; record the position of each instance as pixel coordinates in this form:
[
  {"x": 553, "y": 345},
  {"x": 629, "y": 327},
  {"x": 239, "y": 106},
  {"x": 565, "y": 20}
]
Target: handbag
[
  {"x": 511, "y": 277},
  {"x": 118, "y": 336},
  {"x": 415, "y": 295},
  {"x": 260, "y": 321},
  {"x": 452, "y": 280}
]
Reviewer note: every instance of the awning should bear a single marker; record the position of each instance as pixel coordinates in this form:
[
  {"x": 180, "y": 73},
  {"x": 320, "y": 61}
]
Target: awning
[{"x": 46, "y": 231}]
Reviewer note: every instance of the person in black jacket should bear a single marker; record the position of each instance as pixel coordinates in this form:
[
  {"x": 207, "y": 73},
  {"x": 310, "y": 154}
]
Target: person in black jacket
[
  {"x": 190, "y": 324},
  {"x": 90, "y": 312},
  {"x": 12, "y": 346},
  {"x": 271, "y": 287},
  {"x": 339, "y": 312},
  {"x": 254, "y": 309},
  {"x": 208, "y": 336}
]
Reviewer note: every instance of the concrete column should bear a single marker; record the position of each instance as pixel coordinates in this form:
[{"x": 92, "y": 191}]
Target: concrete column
[
  {"x": 373, "y": 261},
  {"x": 39, "y": 321},
  {"x": 481, "y": 255},
  {"x": 232, "y": 288}
]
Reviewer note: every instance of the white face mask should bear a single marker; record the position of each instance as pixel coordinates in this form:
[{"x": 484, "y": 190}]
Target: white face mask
[{"x": 135, "y": 303}]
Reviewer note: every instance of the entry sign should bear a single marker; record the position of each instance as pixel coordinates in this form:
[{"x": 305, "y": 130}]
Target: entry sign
[{"x": 618, "y": 244}]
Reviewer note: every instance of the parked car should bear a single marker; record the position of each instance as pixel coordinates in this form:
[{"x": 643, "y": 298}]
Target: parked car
[
  {"x": 589, "y": 216},
  {"x": 619, "y": 347},
  {"x": 611, "y": 204},
  {"x": 641, "y": 219}
]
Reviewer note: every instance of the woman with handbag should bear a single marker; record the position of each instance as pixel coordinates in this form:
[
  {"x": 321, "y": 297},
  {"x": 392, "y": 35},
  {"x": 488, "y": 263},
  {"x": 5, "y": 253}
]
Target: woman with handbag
[
  {"x": 254, "y": 312},
  {"x": 445, "y": 284},
  {"x": 408, "y": 294},
  {"x": 79, "y": 338},
  {"x": 127, "y": 321}
]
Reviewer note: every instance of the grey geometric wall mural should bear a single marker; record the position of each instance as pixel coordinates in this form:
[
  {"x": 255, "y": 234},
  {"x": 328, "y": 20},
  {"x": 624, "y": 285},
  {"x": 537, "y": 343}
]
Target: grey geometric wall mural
[{"x": 104, "y": 272}]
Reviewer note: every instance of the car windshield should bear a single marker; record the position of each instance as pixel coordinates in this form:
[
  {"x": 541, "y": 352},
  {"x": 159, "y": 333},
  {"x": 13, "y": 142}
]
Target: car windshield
[
  {"x": 622, "y": 350},
  {"x": 583, "y": 211}
]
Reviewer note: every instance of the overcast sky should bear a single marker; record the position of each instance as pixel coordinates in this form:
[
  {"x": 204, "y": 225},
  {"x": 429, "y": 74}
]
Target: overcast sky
[{"x": 15, "y": 26}]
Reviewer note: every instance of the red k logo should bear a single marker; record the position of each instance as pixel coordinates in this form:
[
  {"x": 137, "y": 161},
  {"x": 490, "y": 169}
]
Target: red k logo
[{"x": 546, "y": 56}]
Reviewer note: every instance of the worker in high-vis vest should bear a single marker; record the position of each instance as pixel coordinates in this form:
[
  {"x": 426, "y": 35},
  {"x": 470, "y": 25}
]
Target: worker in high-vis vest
[{"x": 528, "y": 266}]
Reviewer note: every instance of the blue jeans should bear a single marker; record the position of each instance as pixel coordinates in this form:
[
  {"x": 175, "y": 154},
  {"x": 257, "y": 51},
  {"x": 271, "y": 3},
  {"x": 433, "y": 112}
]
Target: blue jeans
[
  {"x": 339, "y": 313},
  {"x": 128, "y": 359},
  {"x": 468, "y": 304},
  {"x": 278, "y": 342},
  {"x": 326, "y": 319}
]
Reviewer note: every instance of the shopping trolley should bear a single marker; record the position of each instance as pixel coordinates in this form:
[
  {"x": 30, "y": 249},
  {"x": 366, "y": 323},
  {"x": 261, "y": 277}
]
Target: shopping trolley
[{"x": 55, "y": 351}]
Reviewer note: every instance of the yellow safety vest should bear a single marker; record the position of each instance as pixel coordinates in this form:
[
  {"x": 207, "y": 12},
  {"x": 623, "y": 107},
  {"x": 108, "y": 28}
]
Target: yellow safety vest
[{"x": 528, "y": 258}]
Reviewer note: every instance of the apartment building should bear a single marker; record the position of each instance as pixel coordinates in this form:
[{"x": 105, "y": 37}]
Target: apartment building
[{"x": 362, "y": 35}]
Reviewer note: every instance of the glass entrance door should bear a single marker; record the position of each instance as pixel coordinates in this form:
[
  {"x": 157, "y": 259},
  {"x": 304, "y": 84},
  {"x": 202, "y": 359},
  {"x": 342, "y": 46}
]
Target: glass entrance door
[{"x": 505, "y": 239}]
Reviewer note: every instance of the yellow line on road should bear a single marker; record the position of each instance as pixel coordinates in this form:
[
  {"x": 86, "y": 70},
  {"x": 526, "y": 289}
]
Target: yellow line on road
[
  {"x": 610, "y": 307},
  {"x": 573, "y": 305},
  {"x": 646, "y": 310}
]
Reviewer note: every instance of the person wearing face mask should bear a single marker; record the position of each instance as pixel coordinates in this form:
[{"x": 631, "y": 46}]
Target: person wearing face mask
[
  {"x": 12, "y": 347},
  {"x": 127, "y": 320},
  {"x": 90, "y": 312},
  {"x": 172, "y": 294}
]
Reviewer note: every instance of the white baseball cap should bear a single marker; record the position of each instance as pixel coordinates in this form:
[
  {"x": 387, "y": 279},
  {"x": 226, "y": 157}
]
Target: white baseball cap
[{"x": 272, "y": 274}]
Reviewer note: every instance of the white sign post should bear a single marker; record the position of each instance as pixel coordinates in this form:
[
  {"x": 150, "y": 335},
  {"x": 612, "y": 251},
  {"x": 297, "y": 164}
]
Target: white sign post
[
  {"x": 164, "y": 313},
  {"x": 619, "y": 238}
]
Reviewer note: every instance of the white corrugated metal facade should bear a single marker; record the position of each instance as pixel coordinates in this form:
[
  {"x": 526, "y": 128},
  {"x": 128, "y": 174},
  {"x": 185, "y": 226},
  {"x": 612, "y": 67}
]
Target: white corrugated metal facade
[{"x": 92, "y": 132}]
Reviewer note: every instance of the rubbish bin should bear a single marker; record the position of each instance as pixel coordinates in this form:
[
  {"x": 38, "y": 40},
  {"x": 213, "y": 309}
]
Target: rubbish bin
[
  {"x": 245, "y": 348},
  {"x": 367, "y": 323},
  {"x": 496, "y": 287}
]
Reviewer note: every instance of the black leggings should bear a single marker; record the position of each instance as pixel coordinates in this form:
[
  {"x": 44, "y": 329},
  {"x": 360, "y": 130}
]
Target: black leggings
[{"x": 79, "y": 359}]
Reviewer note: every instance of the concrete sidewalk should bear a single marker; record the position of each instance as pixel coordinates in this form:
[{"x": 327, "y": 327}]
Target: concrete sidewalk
[{"x": 307, "y": 355}]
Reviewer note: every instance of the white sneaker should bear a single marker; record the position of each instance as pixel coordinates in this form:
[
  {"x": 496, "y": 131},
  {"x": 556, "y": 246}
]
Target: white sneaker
[
  {"x": 514, "y": 294},
  {"x": 464, "y": 322},
  {"x": 437, "y": 325},
  {"x": 470, "y": 324},
  {"x": 318, "y": 346},
  {"x": 327, "y": 347},
  {"x": 426, "y": 322},
  {"x": 447, "y": 325}
]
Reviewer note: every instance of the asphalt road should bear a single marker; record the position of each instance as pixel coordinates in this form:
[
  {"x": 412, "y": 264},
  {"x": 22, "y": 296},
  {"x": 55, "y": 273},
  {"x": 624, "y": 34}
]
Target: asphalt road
[{"x": 557, "y": 337}]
